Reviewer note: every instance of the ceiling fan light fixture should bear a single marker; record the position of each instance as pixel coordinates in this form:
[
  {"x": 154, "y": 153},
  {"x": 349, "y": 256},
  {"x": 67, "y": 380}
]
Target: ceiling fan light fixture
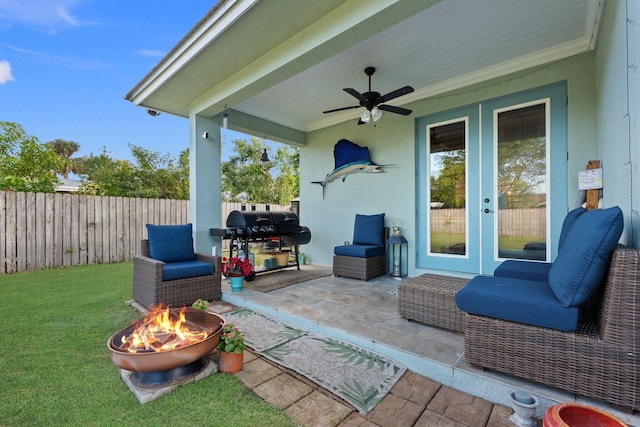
[
  {"x": 371, "y": 99},
  {"x": 376, "y": 114}
]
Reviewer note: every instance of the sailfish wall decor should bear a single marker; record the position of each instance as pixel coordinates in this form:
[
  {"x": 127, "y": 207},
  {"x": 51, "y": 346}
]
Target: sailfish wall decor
[{"x": 349, "y": 158}]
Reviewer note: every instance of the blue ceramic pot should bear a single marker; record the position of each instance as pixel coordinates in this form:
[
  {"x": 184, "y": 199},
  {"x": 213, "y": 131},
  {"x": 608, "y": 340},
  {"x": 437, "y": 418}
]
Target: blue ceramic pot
[{"x": 236, "y": 283}]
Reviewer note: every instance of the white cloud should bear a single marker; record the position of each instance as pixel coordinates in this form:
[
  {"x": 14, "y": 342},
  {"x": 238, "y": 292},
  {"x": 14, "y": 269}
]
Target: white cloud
[
  {"x": 21, "y": 50},
  {"x": 65, "y": 16},
  {"x": 5, "y": 72},
  {"x": 150, "y": 53},
  {"x": 48, "y": 14}
]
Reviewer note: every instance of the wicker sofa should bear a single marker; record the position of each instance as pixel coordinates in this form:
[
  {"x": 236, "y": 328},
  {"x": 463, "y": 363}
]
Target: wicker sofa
[{"x": 601, "y": 359}]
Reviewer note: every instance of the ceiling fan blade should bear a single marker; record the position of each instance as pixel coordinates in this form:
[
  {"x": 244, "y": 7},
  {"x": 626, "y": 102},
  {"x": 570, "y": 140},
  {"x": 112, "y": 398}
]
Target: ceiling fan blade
[
  {"x": 340, "y": 109},
  {"x": 395, "y": 94},
  {"x": 397, "y": 110},
  {"x": 355, "y": 94}
]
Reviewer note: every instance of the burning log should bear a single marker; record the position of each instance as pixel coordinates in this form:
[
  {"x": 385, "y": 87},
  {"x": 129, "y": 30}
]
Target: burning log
[
  {"x": 192, "y": 335},
  {"x": 161, "y": 330}
]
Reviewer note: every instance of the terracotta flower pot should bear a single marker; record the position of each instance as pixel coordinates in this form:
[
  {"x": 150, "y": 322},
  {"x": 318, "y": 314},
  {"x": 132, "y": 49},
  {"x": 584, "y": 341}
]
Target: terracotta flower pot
[
  {"x": 576, "y": 415},
  {"x": 230, "y": 363}
]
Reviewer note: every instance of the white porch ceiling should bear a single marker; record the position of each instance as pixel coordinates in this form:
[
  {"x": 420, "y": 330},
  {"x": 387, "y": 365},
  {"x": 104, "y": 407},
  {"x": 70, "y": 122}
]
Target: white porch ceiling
[{"x": 450, "y": 45}]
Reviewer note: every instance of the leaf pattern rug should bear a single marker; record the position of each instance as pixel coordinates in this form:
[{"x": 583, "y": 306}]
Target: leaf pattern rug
[
  {"x": 359, "y": 376},
  {"x": 261, "y": 331}
]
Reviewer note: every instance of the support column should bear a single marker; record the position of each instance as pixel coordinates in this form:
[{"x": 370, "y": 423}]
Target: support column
[{"x": 205, "y": 181}]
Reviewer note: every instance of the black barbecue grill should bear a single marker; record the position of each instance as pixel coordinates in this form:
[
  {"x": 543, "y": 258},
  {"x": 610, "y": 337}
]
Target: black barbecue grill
[{"x": 281, "y": 228}]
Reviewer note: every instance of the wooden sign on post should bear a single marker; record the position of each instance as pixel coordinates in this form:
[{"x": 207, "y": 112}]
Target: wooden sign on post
[{"x": 592, "y": 195}]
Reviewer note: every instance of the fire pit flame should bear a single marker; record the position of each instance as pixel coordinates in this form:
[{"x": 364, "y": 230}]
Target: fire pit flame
[
  {"x": 166, "y": 339},
  {"x": 160, "y": 331}
]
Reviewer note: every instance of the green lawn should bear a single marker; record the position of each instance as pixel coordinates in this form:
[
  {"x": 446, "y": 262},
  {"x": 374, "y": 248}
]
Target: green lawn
[{"x": 55, "y": 367}]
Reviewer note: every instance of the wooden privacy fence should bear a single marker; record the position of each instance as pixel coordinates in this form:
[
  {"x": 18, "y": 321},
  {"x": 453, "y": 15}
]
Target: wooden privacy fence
[
  {"x": 512, "y": 222},
  {"x": 45, "y": 230}
]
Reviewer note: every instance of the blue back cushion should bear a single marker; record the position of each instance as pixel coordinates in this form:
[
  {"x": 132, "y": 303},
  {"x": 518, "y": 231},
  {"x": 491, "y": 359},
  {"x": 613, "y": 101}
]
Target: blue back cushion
[
  {"x": 582, "y": 263},
  {"x": 538, "y": 271},
  {"x": 369, "y": 230},
  {"x": 171, "y": 243},
  {"x": 571, "y": 217}
]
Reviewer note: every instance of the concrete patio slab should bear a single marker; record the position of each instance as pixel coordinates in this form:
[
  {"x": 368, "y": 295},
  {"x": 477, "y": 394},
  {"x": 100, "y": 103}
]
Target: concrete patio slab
[{"x": 365, "y": 314}]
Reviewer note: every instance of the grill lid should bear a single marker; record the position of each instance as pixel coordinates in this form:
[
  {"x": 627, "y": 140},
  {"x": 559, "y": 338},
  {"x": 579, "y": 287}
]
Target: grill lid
[
  {"x": 252, "y": 222},
  {"x": 264, "y": 222}
]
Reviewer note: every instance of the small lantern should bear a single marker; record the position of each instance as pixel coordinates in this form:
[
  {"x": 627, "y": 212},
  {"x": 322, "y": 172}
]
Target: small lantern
[{"x": 397, "y": 252}]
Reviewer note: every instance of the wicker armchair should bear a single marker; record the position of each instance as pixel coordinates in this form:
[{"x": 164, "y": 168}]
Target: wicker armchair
[
  {"x": 600, "y": 360},
  {"x": 149, "y": 288},
  {"x": 366, "y": 257}
]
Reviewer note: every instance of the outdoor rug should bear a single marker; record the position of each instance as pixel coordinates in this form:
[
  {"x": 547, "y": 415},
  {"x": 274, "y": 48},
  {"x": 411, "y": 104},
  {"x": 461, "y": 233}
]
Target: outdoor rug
[
  {"x": 261, "y": 331},
  {"x": 359, "y": 376},
  {"x": 267, "y": 282}
]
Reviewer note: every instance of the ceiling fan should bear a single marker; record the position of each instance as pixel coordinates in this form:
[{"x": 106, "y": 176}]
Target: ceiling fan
[{"x": 373, "y": 102}]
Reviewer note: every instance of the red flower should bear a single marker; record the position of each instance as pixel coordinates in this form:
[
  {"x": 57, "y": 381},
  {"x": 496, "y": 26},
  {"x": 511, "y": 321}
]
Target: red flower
[{"x": 236, "y": 267}]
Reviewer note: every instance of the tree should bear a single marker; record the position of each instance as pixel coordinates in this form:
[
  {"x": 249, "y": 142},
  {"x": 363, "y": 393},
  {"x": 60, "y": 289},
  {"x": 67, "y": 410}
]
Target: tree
[
  {"x": 522, "y": 165},
  {"x": 25, "y": 164},
  {"x": 65, "y": 150},
  {"x": 153, "y": 175},
  {"x": 449, "y": 186},
  {"x": 246, "y": 179}
]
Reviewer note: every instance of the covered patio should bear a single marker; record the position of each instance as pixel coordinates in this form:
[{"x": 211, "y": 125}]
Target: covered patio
[{"x": 477, "y": 67}]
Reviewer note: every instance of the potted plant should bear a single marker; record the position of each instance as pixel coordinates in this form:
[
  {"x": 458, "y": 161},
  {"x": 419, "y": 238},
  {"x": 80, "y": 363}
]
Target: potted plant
[
  {"x": 231, "y": 349},
  {"x": 200, "y": 304},
  {"x": 237, "y": 269}
]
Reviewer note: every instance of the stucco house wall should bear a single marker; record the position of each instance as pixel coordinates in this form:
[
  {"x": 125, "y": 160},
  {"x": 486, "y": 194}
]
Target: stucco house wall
[
  {"x": 618, "y": 107},
  {"x": 392, "y": 141}
]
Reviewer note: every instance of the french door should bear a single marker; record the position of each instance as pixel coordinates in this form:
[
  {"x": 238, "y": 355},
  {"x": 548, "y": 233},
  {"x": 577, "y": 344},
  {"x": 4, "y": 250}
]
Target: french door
[{"x": 485, "y": 175}]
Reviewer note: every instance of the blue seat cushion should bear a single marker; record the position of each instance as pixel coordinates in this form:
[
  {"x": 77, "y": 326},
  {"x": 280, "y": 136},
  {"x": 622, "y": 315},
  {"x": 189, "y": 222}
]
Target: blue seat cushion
[
  {"x": 517, "y": 300},
  {"x": 582, "y": 264},
  {"x": 369, "y": 230},
  {"x": 526, "y": 270},
  {"x": 171, "y": 243},
  {"x": 359, "y": 251},
  {"x": 186, "y": 269}
]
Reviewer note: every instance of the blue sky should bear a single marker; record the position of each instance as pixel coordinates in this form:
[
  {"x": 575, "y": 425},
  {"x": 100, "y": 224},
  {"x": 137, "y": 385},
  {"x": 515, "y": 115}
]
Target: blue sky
[{"x": 66, "y": 65}]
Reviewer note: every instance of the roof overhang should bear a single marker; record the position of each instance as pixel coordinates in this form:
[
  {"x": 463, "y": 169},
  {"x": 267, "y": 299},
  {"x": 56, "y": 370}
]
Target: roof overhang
[{"x": 285, "y": 62}]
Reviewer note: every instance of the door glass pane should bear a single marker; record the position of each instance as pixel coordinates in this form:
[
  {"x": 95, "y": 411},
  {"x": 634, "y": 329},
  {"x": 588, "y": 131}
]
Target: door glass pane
[
  {"x": 447, "y": 188},
  {"x": 522, "y": 183}
]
